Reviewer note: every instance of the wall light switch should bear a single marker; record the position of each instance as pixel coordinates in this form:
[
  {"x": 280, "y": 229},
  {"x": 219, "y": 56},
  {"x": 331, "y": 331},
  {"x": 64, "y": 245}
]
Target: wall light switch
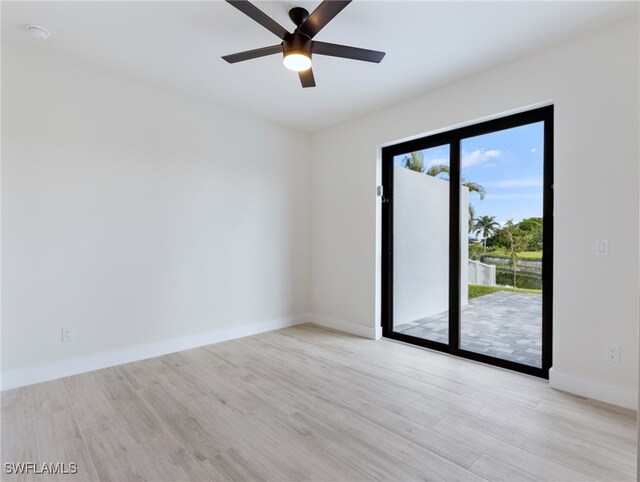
[{"x": 602, "y": 247}]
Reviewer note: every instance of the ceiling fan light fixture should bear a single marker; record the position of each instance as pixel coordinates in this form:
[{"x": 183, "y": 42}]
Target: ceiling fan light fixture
[
  {"x": 297, "y": 60},
  {"x": 297, "y": 52},
  {"x": 298, "y": 46}
]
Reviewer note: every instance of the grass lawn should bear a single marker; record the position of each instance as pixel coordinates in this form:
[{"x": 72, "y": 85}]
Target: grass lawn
[
  {"x": 476, "y": 291},
  {"x": 525, "y": 255}
]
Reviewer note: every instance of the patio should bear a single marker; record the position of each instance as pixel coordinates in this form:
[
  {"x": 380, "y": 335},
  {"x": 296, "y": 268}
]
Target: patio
[{"x": 504, "y": 324}]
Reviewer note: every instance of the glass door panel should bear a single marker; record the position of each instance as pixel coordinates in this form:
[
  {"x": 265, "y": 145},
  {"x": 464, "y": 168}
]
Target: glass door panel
[
  {"x": 421, "y": 244},
  {"x": 501, "y": 194}
]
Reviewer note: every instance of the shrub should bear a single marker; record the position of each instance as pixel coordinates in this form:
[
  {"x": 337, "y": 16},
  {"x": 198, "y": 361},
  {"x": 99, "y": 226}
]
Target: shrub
[
  {"x": 476, "y": 291},
  {"x": 532, "y": 281}
]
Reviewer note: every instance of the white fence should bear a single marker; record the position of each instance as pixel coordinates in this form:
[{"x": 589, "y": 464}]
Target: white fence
[{"x": 481, "y": 274}]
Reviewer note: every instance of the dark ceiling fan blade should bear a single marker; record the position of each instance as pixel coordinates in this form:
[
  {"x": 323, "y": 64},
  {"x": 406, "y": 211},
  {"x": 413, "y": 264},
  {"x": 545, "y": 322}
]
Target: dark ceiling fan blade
[
  {"x": 321, "y": 16},
  {"x": 346, "y": 52},
  {"x": 253, "y": 54},
  {"x": 250, "y": 10},
  {"x": 306, "y": 78}
]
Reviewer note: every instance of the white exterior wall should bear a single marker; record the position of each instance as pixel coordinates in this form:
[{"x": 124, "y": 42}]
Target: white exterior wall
[
  {"x": 482, "y": 274},
  {"x": 421, "y": 245}
]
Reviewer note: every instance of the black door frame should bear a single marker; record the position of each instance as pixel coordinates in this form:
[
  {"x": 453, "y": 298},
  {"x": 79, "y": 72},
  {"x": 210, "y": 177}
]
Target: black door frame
[{"x": 453, "y": 139}]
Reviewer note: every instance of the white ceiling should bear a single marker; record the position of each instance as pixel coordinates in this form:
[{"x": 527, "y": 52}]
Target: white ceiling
[{"x": 179, "y": 44}]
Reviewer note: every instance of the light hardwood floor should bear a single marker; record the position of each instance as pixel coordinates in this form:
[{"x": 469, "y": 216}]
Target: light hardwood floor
[{"x": 306, "y": 403}]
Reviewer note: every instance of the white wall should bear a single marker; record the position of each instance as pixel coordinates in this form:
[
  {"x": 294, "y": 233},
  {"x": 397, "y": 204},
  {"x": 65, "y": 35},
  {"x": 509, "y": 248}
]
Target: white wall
[
  {"x": 421, "y": 245},
  {"x": 481, "y": 274},
  {"x": 593, "y": 84},
  {"x": 139, "y": 215}
]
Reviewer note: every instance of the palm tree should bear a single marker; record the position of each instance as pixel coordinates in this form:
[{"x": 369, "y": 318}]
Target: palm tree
[
  {"x": 486, "y": 226},
  {"x": 472, "y": 217},
  {"x": 414, "y": 161},
  {"x": 436, "y": 169},
  {"x": 474, "y": 187}
]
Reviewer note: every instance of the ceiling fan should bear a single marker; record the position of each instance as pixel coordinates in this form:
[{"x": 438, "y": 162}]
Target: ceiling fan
[{"x": 297, "y": 47}]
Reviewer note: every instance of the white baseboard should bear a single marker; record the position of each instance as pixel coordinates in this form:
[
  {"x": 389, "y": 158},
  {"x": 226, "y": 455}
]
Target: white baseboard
[
  {"x": 602, "y": 392},
  {"x": 51, "y": 371},
  {"x": 371, "y": 332}
]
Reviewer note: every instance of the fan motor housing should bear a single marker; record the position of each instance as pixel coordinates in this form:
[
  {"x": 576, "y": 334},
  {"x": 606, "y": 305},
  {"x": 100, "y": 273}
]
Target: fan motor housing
[{"x": 297, "y": 43}]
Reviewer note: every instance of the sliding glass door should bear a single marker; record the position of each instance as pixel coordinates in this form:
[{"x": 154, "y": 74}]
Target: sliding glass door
[
  {"x": 467, "y": 241},
  {"x": 421, "y": 234}
]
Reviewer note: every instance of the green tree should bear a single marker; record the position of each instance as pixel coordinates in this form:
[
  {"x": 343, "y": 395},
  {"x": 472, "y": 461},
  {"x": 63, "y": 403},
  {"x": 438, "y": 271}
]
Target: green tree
[
  {"x": 530, "y": 224},
  {"x": 474, "y": 187},
  {"x": 472, "y": 217},
  {"x": 515, "y": 241},
  {"x": 414, "y": 161},
  {"x": 475, "y": 251},
  {"x": 486, "y": 226},
  {"x": 437, "y": 169},
  {"x": 533, "y": 228}
]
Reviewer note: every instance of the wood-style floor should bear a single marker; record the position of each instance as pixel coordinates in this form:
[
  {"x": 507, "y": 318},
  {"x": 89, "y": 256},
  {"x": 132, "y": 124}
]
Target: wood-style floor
[{"x": 306, "y": 403}]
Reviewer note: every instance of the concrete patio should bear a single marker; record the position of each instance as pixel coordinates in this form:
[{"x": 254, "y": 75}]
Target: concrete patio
[{"x": 504, "y": 324}]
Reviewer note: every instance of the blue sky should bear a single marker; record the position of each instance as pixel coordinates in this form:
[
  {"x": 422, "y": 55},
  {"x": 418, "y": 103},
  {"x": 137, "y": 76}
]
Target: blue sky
[{"x": 508, "y": 163}]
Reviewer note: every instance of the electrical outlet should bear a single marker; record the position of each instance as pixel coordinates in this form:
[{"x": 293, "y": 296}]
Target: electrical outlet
[
  {"x": 602, "y": 247},
  {"x": 68, "y": 334},
  {"x": 612, "y": 353}
]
